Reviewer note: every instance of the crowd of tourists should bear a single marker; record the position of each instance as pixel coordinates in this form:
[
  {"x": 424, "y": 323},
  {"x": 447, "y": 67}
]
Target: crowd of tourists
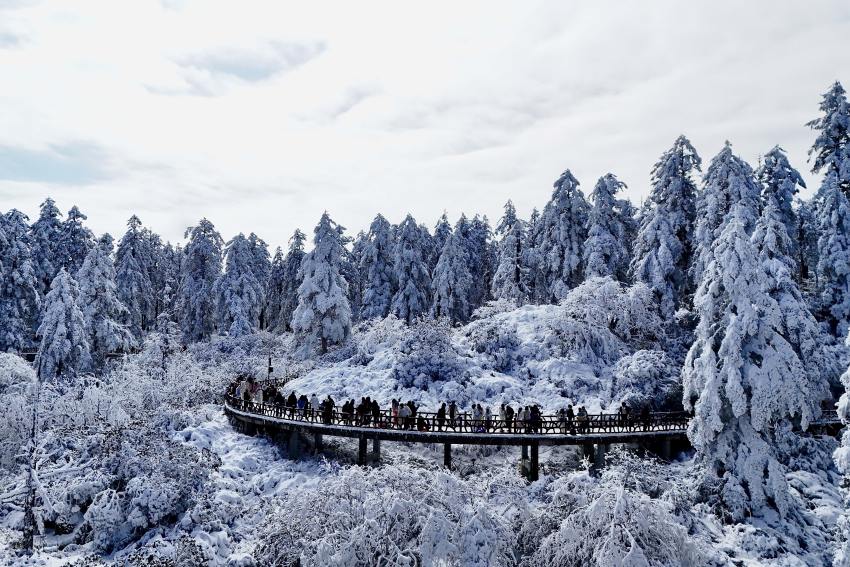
[{"x": 406, "y": 415}]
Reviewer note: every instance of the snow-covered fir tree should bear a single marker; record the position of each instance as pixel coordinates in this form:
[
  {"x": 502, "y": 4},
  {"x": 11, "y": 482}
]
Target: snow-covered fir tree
[
  {"x": 172, "y": 267},
  {"x": 442, "y": 232},
  {"x": 323, "y": 314},
  {"x": 742, "y": 378},
  {"x": 729, "y": 182},
  {"x": 780, "y": 184},
  {"x": 44, "y": 238},
  {"x": 834, "y": 255},
  {"x": 20, "y": 300},
  {"x": 239, "y": 295},
  {"x": 559, "y": 239},
  {"x": 99, "y": 302},
  {"x": 201, "y": 269},
  {"x": 379, "y": 270},
  {"x": 64, "y": 350},
  {"x": 806, "y": 237},
  {"x": 75, "y": 241},
  {"x": 663, "y": 248},
  {"x": 481, "y": 261},
  {"x": 291, "y": 280},
  {"x": 353, "y": 271},
  {"x": 831, "y": 148},
  {"x": 605, "y": 250},
  {"x": 451, "y": 285},
  {"x": 132, "y": 277},
  {"x": 510, "y": 280},
  {"x": 412, "y": 298},
  {"x": 274, "y": 292},
  {"x": 261, "y": 266}
]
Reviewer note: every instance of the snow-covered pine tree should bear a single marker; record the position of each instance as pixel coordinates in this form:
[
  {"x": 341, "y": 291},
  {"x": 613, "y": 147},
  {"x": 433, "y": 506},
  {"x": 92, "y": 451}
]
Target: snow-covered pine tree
[
  {"x": 292, "y": 268},
  {"x": 780, "y": 183},
  {"x": 806, "y": 237},
  {"x": 481, "y": 262},
  {"x": 834, "y": 255},
  {"x": 379, "y": 270},
  {"x": 559, "y": 238},
  {"x": 261, "y": 266},
  {"x": 237, "y": 291},
  {"x": 830, "y": 150},
  {"x": 64, "y": 350},
  {"x": 323, "y": 314},
  {"x": 201, "y": 268},
  {"x": 156, "y": 274},
  {"x": 75, "y": 241},
  {"x": 729, "y": 182},
  {"x": 20, "y": 301},
  {"x": 741, "y": 377},
  {"x": 451, "y": 285},
  {"x": 274, "y": 292},
  {"x": 132, "y": 278},
  {"x": 796, "y": 323},
  {"x": 605, "y": 250},
  {"x": 412, "y": 298},
  {"x": 663, "y": 248},
  {"x": 44, "y": 238},
  {"x": 101, "y": 307},
  {"x": 172, "y": 266},
  {"x": 442, "y": 232},
  {"x": 510, "y": 280},
  {"x": 352, "y": 271}
]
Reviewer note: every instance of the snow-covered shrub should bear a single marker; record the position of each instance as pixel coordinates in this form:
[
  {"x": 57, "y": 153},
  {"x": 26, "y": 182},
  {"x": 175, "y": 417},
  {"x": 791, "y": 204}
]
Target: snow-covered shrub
[
  {"x": 646, "y": 377},
  {"x": 496, "y": 342},
  {"x": 17, "y": 386},
  {"x": 426, "y": 355}
]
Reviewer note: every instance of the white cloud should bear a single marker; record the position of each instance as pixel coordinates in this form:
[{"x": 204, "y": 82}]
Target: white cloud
[{"x": 394, "y": 107}]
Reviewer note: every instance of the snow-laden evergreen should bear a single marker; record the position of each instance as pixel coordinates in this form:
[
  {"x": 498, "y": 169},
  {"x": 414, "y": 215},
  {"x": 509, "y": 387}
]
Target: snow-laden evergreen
[
  {"x": 481, "y": 260},
  {"x": 510, "y": 279},
  {"x": 353, "y": 270},
  {"x": 832, "y": 145},
  {"x": 103, "y": 311},
  {"x": 132, "y": 277},
  {"x": 20, "y": 300},
  {"x": 64, "y": 350},
  {"x": 201, "y": 269},
  {"x": 412, "y": 298},
  {"x": 834, "y": 255},
  {"x": 239, "y": 294},
  {"x": 379, "y": 270},
  {"x": 44, "y": 237},
  {"x": 806, "y": 237},
  {"x": 442, "y": 232},
  {"x": 664, "y": 245},
  {"x": 452, "y": 282},
  {"x": 742, "y": 378},
  {"x": 729, "y": 183},
  {"x": 606, "y": 249},
  {"x": 291, "y": 269},
  {"x": 75, "y": 241},
  {"x": 780, "y": 184},
  {"x": 261, "y": 267},
  {"x": 559, "y": 239},
  {"x": 323, "y": 314},
  {"x": 274, "y": 292}
]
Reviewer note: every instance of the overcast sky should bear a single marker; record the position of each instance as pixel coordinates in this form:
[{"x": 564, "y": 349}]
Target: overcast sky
[{"x": 260, "y": 116}]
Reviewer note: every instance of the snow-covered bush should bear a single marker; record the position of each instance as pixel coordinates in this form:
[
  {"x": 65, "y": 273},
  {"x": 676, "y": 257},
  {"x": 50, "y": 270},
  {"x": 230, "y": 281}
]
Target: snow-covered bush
[
  {"x": 646, "y": 377},
  {"x": 496, "y": 342},
  {"x": 17, "y": 386},
  {"x": 426, "y": 355}
]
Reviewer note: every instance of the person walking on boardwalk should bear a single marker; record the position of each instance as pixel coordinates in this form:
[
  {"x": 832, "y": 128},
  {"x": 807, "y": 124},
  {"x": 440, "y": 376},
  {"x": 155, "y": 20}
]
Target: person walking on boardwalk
[
  {"x": 502, "y": 417},
  {"x": 291, "y": 402},
  {"x": 645, "y": 417},
  {"x": 395, "y": 412},
  {"x": 488, "y": 419},
  {"x": 441, "y": 416},
  {"x": 509, "y": 418},
  {"x": 570, "y": 415},
  {"x": 404, "y": 416},
  {"x": 582, "y": 419},
  {"x": 314, "y": 406},
  {"x": 452, "y": 414},
  {"x": 376, "y": 413}
]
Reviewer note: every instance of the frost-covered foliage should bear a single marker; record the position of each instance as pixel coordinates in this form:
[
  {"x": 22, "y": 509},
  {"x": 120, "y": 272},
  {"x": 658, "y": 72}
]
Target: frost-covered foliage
[
  {"x": 510, "y": 278},
  {"x": 741, "y": 378},
  {"x": 239, "y": 293},
  {"x": 780, "y": 182},
  {"x": 442, "y": 231},
  {"x": 323, "y": 314},
  {"x": 830, "y": 147},
  {"x": 44, "y": 235},
  {"x": 646, "y": 377},
  {"x": 201, "y": 269},
  {"x": 75, "y": 241},
  {"x": 132, "y": 276},
  {"x": 626, "y": 518},
  {"x": 664, "y": 246},
  {"x": 377, "y": 263},
  {"x": 729, "y": 183},
  {"x": 834, "y": 255},
  {"x": 64, "y": 350},
  {"x": 17, "y": 386},
  {"x": 399, "y": 515},
  {"x": 807, "y": 236},
  {"x": 606, "y": 249},
  {"x": 426, "y": 356},
  {"x": 352, "y": 271},
  {"x": 20, "y": 300},
  {"x": 412, "y": 299},
  {"x": 559, "y": 236},
  {"x": 452, "y": 282},
  {"x": 101, "y": 307},
  {"x": 283, "y": 285},
  {"x": 482, "y": 262}
]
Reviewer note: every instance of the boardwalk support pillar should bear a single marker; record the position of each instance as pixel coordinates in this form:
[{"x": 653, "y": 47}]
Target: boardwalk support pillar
[
  {"x": 317, "y": 443},
  {"x": 534, "y": 468},
  {"x": 599, "y": 457},
  {"x": 665, "y": 451},
  {"x": 294, "y": 448},
  {"x": 447, "y": 455},
  {"x": 524, "y": 453},
  {"x": 361, "y": 452},
  {"x": 376, "y": 449}
]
